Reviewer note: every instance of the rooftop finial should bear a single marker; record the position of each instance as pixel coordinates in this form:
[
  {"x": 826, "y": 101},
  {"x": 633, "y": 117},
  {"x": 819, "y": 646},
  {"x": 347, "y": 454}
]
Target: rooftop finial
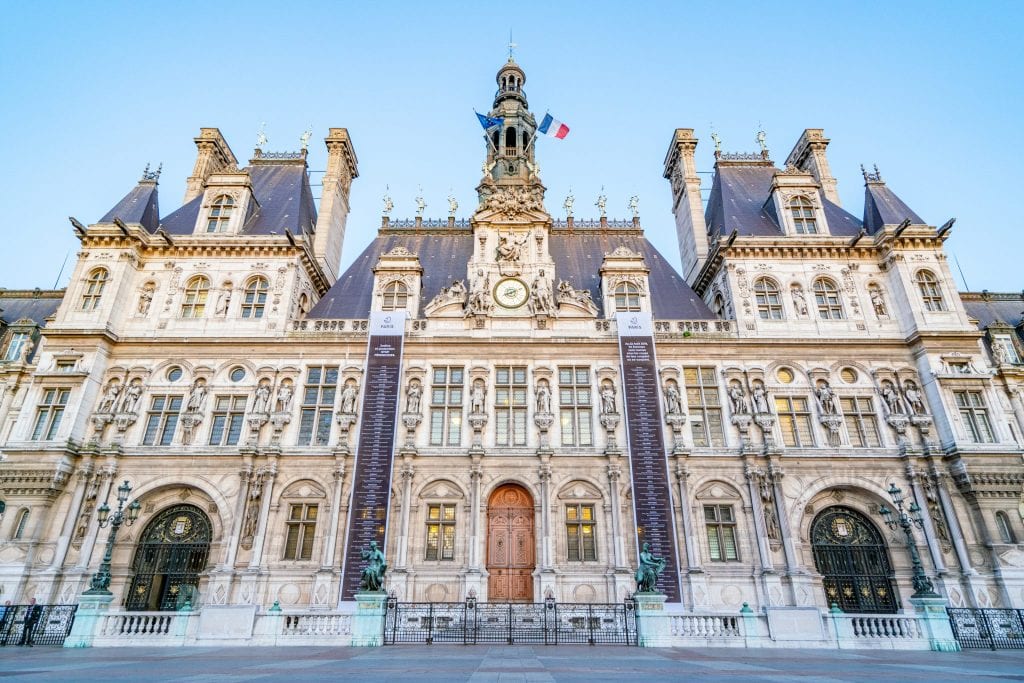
[
  {"x": 261, "y": 136},
  {"x": 420, "y": 204},
  {"x": 304, "y": 138},
  {"x": 762, "y": 141},
  {"x": 569, "y": 201},
  {"x": 870, "y": 177},
  {"x": 511, "y": 47},
  {"x": 718, "y": 143},
  {"x": 152, "y": 175},
  {"x": 602, "y": 203},
  {"x": 388, "y": 204},
  {"x": 634, "y": 205}
]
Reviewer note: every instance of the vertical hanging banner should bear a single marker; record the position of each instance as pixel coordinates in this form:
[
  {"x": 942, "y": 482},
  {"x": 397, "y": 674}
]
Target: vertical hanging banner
[
  {"x": 648, "y": 462},
  {"x": 371, "y": 487}
]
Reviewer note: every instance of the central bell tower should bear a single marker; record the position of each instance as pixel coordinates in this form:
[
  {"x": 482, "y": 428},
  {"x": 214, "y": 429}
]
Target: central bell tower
[{"x": 510, "y": 146}]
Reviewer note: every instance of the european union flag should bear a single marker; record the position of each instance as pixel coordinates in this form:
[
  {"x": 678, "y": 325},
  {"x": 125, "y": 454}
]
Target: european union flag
[{"x": 489, "y": 122}]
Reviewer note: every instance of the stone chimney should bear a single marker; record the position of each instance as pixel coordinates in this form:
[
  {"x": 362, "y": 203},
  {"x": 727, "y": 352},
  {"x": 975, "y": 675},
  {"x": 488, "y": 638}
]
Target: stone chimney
[
  {"x": 809, "y": 155},
  {"x": 692, "y": 232},
  {"x": 342, "y": 168},
  {"x": 213, "y": 156}
]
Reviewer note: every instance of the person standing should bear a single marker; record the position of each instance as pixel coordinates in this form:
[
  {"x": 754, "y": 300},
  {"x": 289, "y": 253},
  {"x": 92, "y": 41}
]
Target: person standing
[{"x": 31, "y": 619}]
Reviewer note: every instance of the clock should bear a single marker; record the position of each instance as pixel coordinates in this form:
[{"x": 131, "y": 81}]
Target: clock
[{"x": 511, "y": 292}]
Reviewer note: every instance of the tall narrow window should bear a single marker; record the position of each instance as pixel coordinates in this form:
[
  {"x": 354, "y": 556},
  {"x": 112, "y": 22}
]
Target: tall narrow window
[
  {"x": 318, "y": 405},
  {"x": 769, "y": 301},
  {"x": 197, "y": 291},
  {"x": 446, "y": 406},
  {"x": 861, "y": 421},
  {"x": 931, "y": 293},
  {"x": 974, "y": 413},
  {"x": 581, "y": 545},
  {"x": 228, "y": 417},
  {"x": 254, "y": 300},
  {"x": 301, "y": 524},
  {"x": 718, "y": 306},
  {"x": 826, "y": 296},
  {"x": 220, "y": 214},
  {"x": 804, "y": 222},
  {"x": 441, "y": 532},
  {"x": 19, "y": 529},
  {"x": 162, "y": 420},
  {"x": 394, "y": 297},
  {"x": 627, "y": 297},
  {"x": 50, "y": 413},
  {"x": 93, "y": 291},
  {"x": 794, "y": 421},
  {"x": 574, "y": 406},
  {"x": 705, "y": 406},
  {"x": 16, "y": 345},
  {"x": 720, "y": 525},
  {"x": 510, "y": 405},
  {"x": 1006, "y": 534}
]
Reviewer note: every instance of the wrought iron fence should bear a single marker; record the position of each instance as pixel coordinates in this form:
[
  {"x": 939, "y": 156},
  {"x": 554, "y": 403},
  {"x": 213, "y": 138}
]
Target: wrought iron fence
[
  {"x": 988, "y": 627},
  {"x": 547, "y": 623},
  {"x": 26, "y": 625}
]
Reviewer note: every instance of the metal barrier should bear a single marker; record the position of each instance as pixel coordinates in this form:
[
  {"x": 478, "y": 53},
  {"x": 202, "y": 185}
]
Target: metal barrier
[
  {"x": 49, "y": 625},
  {"x": 988, "y": 627},
  {"x": 547, "y": 623}
]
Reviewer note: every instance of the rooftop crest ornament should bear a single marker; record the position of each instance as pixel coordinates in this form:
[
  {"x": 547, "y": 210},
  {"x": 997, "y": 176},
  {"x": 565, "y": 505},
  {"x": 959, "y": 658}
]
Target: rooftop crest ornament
[{"x": 152, "y": 175}]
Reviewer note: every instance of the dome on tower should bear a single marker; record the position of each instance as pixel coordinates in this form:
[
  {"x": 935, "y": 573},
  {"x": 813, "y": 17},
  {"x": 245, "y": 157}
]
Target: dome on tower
[{"x": 511, "y": 79}]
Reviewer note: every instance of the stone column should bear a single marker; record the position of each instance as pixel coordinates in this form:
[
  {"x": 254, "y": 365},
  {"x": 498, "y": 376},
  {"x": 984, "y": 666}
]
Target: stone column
[
  {"x": 407, "y": 473},
  {"x": 261, "y": 530},
  {"x": 929, "y": 525},
  {"x": 84, "y": 474},
  {"x": 107, "y": 473},
  {"x": 618, "y": 546},
  {"x": 1017, "y": 403},
  {"x": 544, "y": 475},
  {"x": 695, "y": 580},
  {"x": 955, "y": 530},
  {"x": 775, "y": 475},
  {"x": 331, "y": 545},
  {"x": 764, "y": 552},
  {"x": 474, "y": 576},
  {"x": 231, "y": 547}
]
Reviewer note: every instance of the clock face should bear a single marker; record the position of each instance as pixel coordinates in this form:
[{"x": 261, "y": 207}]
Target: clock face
[{"x": 511, "y": 292}]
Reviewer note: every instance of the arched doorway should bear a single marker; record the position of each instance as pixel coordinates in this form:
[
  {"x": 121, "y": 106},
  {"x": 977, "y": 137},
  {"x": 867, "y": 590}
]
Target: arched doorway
[
  {"x": 172, "y": 551},
  {"x": 853, "y": 561},
  {"x": 510, "y": 545}
]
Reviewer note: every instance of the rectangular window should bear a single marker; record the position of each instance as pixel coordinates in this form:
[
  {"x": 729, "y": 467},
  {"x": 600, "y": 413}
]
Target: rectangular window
[
  {"x": 974, "y": 414},
  {"x": 441, "y": 532},
  {"x": 574, "y": 406},
  {"x": 446, "y": 406},
  {"x": 720, "y": 524},
  {"x": 581, "y": 545},
  {"x": 228, "y": 418},
  {"x": 510, "y": 393},
  {"x": 861, "y": 421},
  {"x": 794, "y": 421},
  {"x": 49, "y": 414},
  {"x": 15, "y": 346},
  {"x": 318, "y": 405},
  {"x": 301, "y": 527},
  {"x": 65, "y": 366},
  {"x": 705, "y": 406},
  {"x": 162, "y": 420}
]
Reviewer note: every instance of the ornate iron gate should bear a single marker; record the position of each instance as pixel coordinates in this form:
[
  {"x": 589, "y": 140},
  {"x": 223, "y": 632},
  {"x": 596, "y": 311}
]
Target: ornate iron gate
[
  {"x": 169, "y": 558},
  {"x": 994, "y": 629},
  {"x": 547, "y": 623},
  {"x": 51, "y": 628},
  {"x": 852, "y": 558}
]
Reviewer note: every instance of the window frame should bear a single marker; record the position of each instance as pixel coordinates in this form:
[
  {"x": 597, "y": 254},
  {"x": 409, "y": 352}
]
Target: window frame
[
  {"x": 1006, "y": 533},
  {"x": 50, "y": 413},
  {"x": 970, "y": 410},
  {"x": 16, "y": 344},
  {"x": 394, "y": 296},
  {"x": 447, "y": 399},
  {"x": 218, "y": 217},
  {"x": 195, "y": 298},
  {"x": 706, "y": 413},
  {"x": 511, "y": 401},
  {"x": 768, "y": 297},
  {"x": 441, "y": 531},
  {"x": 859, "y": 419},
  {"x": 804, "y": 215},
  {"x": 316, "y": 416},
  {"x": 627, "y": 297},
  {"x": 930, "y": 290},
  {"x": 254, "y": 297},
  {"x": 828, "y": 299},
  {"x": 795, "y": 417},
  {"x": 92, "y": 291},
  {"x": 162, "y": 422},
  {"x": 578, "y": 526},
  {"x": 227, "y": 419},
  {"x": 576, "y": 406},
  {"x": 300, "y": 532},
  {"x": 721, "y": 529}
]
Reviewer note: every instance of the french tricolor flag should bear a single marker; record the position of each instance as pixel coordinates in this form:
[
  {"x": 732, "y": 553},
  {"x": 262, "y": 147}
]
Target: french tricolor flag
[{"x": 552, "y": 127}]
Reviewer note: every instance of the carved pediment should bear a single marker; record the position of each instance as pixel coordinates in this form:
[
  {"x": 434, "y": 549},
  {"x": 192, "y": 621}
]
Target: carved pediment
[
  {"x": 442, "y": 489},
  {"x": 717, "y": 490},
  {"x": 579, "y": 490}
]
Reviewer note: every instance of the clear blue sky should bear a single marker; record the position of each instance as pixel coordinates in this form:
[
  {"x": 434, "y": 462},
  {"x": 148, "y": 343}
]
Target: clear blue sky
[{"x": 931, "y": 92}]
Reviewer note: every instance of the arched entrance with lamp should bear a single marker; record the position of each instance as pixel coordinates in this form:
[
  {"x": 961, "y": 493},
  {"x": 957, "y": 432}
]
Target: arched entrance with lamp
[
  {"x": 510, "y": 545},
  {"x": 852, "y": 558},
  {"x": 172, "y": 552}
]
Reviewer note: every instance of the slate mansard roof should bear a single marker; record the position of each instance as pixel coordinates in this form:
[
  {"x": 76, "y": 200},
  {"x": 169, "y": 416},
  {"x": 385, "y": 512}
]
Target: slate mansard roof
[
  {"x": 991, "y": 307},
  {"x": 578, "y": 256},
  {"x": 35, "y": 305}
]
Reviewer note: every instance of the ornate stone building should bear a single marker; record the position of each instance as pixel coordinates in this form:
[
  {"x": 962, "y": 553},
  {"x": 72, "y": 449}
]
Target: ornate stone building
[{"x": 806, "y": 359}]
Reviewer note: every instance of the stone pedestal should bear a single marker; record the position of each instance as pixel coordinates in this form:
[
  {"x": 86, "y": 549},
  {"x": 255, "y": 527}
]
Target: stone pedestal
[
  {"x": 368, "y": 620},
  {"x": 91, "y": 610},
  {"x": 935, "y": 621},
  {"x": 653, "y": 623}
]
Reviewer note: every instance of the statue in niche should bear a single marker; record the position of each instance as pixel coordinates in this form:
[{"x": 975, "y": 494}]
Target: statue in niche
[
  {"x": 372, "y": 578},
  {"x": 799, "y": 300},
  {"x": 252, "y": 509},
  {"x": 197, "y": 397},
  {"x": 878, "y": 301},
  {"x": 110, "y": 397},
  {"x": 673, "y": 401},
  {"x": 543, "y": 397},
  {"x": 348, "y": 398},
  {"x": 223, "y": 301},
  {"x": 826, "y": 398},
  {"x": 131, "y": 397},
  {"x": 771, "y": 520},
  {"x": 146, "y": 298},
  {"x": 760, "y": 398},
  {"x": 261, "y": 404},
  {"x": 892, "y": 399},
  {"x": 914, "y": 398},
  {"x": 651, "y": 567},
  {"x": 412, "y": 397},
  {"x": 608, "y": 398},
  {"x": 541, "y": 299},
  {"x": 478, "y": 302},
  {"x": 999, "y": 355},
  {"x": 478, "y": 397},
  {"x": 737, "y": 399},
  {"x": 284, "y": 398}
]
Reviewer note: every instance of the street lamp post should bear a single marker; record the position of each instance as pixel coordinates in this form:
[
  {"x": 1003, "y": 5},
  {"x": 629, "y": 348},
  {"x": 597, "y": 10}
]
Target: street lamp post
[
  {"x": 100, "y": 584},
  {"x": 907, "y": 520}
]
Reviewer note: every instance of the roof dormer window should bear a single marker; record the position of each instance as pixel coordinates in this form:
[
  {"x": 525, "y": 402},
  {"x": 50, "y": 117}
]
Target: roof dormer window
[
  {"x": 220, "y": 214},
  {"x": 394, "y": 297},
  {"x": 627, "y": 297},
  {"x": 804, "y": 221}
]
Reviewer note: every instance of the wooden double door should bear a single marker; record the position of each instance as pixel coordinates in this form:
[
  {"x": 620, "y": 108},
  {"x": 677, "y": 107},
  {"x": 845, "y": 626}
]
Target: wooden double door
[{"x": 510, "y": 545}]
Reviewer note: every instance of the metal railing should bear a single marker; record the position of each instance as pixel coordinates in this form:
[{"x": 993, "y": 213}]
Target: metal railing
[
  {"x": 36, "y": 624},
  {"x": 988, "y": 627}
]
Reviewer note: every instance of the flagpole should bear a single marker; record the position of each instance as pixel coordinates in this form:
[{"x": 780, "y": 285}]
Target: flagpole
[
  {"x": 535, "y": 130},
  {"x": 487, "y": 136}
]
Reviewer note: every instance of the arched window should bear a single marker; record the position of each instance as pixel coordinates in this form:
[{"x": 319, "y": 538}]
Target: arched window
[
  {"x": 496, "y": 136},
  {"x": 526, "y": 140},
  {"x": 804, "y": 222},
  {"x": 255, "y": 297},
  {"x": 394, "y": 297},
  {"x": 510, "y": 140},
  {"x": 169, "y": 559},
  {"x": 769, "y": 301},
  {"x": 826, "y": 296},
  {"x": 94, "y": 285},
  {"x": 627, "y": 297},
  {"x": 931, "y": 293},
  {"x": 197, "y": 291},
  {"x": 1005, "y": 530},
  {"x": 19, "y": 528},
  {"x": 220, "y": 214}
]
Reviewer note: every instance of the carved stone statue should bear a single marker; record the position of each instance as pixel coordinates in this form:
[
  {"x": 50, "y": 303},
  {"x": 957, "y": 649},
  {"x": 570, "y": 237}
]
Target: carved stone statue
[
  {"x": 673, "y": 401},
  {"x": 878, "y": 301},
  {"x": 284, "y": 398},
  {"x": 348, "y": 398},
  {"x": 760, "y": 399},
  {"x": 540, "y": 297},
  {"x": 412, "y": 397},
  {"x": 372, "y": 578},
  {"x": 110, "y": 397},
  {"x": 196, "y": 397},
  {"x": 478, "y": 397},
  {"x": 252, "y": 509},
  {"x": 999, "y": 355},
  {"x": 131, "y": 397},
  {"x": 738, "y": 399},
  {"x": 826, "y": 399},
  {"x": 388, "y": 204},
  {"x": 146, "y": 298},
  {"x": 914, "y": 398},
  {"x": 634, "y": 205},
  {"x": 453, "y": 205},
  {"x": 771, "y": 520},
  {"x": 261, "y": 404},
  {"x": 651, "y": 567},
  {"x": 799, "y": 300},
  {"x": 223, "y": 301},
  {"x": 567, "y": 205},
  {"x": 510, "y": 248},
  {"x": 420, "y": 205},
  {"x": 602, "y": 205},
  {"x": 581, "y": 297},
  {"x": 607, "y": 399},
  {"x": 479, "y": 294},
  {"x": 892, "y": 399},
  {"x": 543, "y": 398}
]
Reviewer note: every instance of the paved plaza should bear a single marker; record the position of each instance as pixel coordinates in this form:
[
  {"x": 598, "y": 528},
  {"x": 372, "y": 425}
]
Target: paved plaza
[{"x": 479, "y": 664}]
